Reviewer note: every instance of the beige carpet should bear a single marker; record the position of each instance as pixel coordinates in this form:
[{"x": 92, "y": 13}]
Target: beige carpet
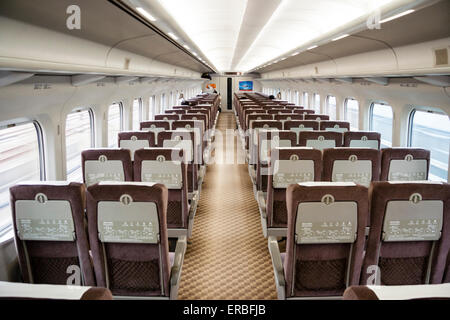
[{"x": 228, "y": 257}]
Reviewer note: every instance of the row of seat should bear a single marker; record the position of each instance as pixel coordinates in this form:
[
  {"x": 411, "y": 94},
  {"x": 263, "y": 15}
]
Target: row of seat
[
  {"x": 121, "y": 243},
  {"x": 360, "y": 165},
  {"x": 342, "y": 234},
  {"x": 326, "y": 247},
  {"x": 114, "y": 234}
]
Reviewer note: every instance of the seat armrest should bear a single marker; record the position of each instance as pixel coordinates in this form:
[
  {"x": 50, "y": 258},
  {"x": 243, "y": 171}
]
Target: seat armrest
[
  {"x": 278, "y": 268},
  {"x": 193, "y": 206},
  {"x": 262, "y": 204},
  {"x": 175, "y": 272}
]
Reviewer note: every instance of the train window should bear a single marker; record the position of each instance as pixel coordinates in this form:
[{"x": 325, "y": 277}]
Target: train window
[
  {"x": 381, "y": 118},
  {"x": 297, "y": 98},
  {"x": 21, "y": 156},
  {"x": 152, "y": 108},
  {"x": 316, "y": 103},
  {"x": 79, "y": 136},
  {"x": 331, "y": 107},
  {"x": 305, "y": 99},
  {"x": 431, "y": 131},
  {"x": 115, "y": 123},
  {"x": 351, "y": 111},
  {"x": 171, "y": 100},
  {"x": 137, "y": 113}
]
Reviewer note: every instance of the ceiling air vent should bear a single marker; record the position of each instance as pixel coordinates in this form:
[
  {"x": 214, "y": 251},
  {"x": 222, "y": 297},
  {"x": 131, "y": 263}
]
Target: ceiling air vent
[{"x": 441, "y": 57}]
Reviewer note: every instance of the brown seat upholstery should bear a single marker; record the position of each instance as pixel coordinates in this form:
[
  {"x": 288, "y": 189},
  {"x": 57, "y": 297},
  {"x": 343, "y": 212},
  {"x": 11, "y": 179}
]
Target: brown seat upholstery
[
  {"x": 175, "y": 111},
  {"x": 167, "y": 166},
  {"x": 256, "y": 116},
  {"x": 320, "y": 139},
  {"x": 167, "y": 117},
  {"x": 288, "y": 117},
  {"x": 362, "y": 139},
  {"x": 408, "y": 164},
  {"x": 351, "y": 164},
  {"x": 204, "y": 112},
  {"x": 317, "y": 117},
  {"x": 135, "y": 140},
  {"x": 325, "y": 239},
  {"x": 50, "y": 235},
  {"x": 409, "y": 237},
  {"x": 174, "y": 139},
  {"x": 301, "y": 125},
  {"x": 338, "y": 126},
  {"x": 156, "y": 127},
  {"x": 278, "y": 111},
  {"x": 163, "y": 124},
  {"x": 200, "y": 142},
  {"x": 199, "y": 117},
  {"x": 288, "y": 166},
  {"x": 268, "y": 140},
  {"x": 304, "y": 112},
  {"x": 129, "y": 240},
  {"x": 106, "y": 165},
  {"x": 252, "y": 137}
]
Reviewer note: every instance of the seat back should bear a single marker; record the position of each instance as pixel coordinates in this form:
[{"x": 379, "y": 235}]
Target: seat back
[
  {"x": 256, "y": 117},
  {"x": 182, "y": 139},
  {"x": 166, "y": 166},
  {"x": 361, "y": 166},
  {"x": 200, "y": 142},
  {"x": 49, "y": 231},
  {"x": 325, "y": 239},
  {"x": 269, "y": 140},
  {"x": 304, "y": 112},
  {"x": 106, "y": 165},
  {"x": 288, "y": 117},
  {"x": 167, "y": 117},
  {"x": 278, "y": 111},
  {"x": 409, "y": 236},
  {"x": 175, "y": 111},
  {"x": 317, "y": 117},
  {"x": 199, "y": 117},
  {"x": 289, "y": 166},
  {"x": 320, "y": 139},
  {"x": 135, "y": 140},
  {"x": 155, "y": 126},
  {"x": 128, "y": 238},
  {"x": 300, "y": 125},
  {"x": 337, "y": 126},
  {"x": 252, "y": 137},
  {"x": 361, "y": 139},
  {"x": 405, "y": 164},
  {"x": 205, "y": 112}
]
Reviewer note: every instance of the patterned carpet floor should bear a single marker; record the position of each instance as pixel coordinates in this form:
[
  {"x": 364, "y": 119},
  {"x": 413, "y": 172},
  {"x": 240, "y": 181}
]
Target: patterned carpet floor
[{"x": 228, "y": 257}]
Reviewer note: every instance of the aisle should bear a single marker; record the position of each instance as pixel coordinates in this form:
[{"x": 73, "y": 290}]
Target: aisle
[{"x": 228, "y": 257}]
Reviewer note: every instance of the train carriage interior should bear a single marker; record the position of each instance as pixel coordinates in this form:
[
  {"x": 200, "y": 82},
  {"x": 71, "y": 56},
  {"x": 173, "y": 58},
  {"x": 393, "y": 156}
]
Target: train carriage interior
[{"x": 225, "y": 150}]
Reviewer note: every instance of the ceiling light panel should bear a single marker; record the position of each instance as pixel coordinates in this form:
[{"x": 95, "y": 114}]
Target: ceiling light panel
[
  {"x": 296, "y": 23},
  {"x": 212, "y": 25}
]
